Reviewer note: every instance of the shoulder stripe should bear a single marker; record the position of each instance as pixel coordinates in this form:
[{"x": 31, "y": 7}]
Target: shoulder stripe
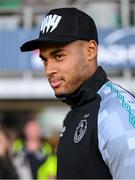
[{"x": 125, "y": 104}]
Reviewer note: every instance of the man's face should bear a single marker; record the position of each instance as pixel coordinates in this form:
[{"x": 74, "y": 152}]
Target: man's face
[{"x": 66, "y": 66}]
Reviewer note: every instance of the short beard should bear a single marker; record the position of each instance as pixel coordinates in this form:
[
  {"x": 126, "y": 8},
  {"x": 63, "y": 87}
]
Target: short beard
[{"x": 85, "y": 74}]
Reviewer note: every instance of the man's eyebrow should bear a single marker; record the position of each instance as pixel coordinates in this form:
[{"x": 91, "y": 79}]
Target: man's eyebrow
[
  {"x": 52, "y": 53},
  {"x": 56, "y": 51}
]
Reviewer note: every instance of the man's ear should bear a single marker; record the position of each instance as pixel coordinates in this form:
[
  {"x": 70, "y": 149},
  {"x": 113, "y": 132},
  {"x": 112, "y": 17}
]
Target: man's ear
[{"x": 92, "y": 50}]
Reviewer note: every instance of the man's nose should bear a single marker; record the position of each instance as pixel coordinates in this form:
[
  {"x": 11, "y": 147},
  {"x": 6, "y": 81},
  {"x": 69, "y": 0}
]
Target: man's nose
[{"x": 50, "y": 67}]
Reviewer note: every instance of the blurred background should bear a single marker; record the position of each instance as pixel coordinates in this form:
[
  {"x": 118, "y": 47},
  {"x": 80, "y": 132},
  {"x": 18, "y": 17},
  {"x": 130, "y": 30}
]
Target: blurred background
[{"x": 25, "y": 94}]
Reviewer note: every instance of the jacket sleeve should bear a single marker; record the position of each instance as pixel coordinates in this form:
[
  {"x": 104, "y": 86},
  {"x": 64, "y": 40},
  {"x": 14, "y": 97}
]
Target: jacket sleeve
[{"x": 116, "y": 136}]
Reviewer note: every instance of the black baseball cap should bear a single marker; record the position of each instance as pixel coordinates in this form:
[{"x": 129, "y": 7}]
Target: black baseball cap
[{"x": 64, "y": 25}]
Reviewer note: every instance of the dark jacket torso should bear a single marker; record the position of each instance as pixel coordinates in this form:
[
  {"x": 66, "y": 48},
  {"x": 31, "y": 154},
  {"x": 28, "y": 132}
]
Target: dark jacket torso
[{"x": 78, "y": 153}]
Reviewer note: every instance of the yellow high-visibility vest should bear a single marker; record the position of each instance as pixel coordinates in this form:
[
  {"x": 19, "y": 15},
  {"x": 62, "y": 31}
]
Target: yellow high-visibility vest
[{"x": 48, "y": 169}]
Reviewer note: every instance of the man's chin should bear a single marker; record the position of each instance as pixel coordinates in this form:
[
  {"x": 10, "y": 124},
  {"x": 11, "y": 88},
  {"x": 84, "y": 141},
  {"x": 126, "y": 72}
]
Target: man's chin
[{"x": 61, "y": 95}]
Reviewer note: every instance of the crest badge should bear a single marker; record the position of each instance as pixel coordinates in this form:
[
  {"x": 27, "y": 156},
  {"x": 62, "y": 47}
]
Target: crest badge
[{"x": 80, "y": 130}]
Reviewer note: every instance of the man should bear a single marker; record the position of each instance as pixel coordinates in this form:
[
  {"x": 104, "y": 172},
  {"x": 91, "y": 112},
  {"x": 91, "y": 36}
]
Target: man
[{"x": 98, "y": 136}]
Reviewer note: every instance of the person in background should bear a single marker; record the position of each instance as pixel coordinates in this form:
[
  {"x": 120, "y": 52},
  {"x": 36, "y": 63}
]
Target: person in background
[
  {"x": 98, "y": 135},
  {"x": 7, "y": 168},
  {"x": 38, "y": 158}
]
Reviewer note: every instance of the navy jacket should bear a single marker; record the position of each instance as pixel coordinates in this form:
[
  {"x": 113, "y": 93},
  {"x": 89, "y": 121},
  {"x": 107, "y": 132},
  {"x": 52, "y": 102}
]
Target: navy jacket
[{"x": 89, "y": 146}]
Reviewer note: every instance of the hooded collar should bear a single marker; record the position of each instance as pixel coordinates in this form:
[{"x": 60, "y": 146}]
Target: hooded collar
[{"x": 88, "y": 90}]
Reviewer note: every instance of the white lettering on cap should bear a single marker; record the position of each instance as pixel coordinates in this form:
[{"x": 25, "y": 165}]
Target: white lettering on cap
[{"x": 50, "y": 22}]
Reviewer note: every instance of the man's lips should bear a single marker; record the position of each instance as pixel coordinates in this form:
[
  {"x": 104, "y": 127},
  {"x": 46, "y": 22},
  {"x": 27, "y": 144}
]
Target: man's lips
[{"x": 55, "y": 83}]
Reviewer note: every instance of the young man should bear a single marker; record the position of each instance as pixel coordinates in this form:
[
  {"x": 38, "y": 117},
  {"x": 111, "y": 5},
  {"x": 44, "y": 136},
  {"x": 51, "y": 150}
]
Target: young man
[{"x": 98, "y": 136}]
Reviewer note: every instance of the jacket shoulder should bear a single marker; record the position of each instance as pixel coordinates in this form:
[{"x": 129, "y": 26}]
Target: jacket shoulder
[{"x": 116, "y": 129}]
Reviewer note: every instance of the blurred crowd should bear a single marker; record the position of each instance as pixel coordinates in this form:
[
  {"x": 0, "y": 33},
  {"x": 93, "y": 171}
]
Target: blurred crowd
[{"x": 24, "y": 152}]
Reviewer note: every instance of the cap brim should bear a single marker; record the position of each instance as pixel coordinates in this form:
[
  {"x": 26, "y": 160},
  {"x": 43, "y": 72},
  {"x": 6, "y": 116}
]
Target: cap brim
[
  {"x": 34, "y": 44},
  {"x": 30, "y": 45}
]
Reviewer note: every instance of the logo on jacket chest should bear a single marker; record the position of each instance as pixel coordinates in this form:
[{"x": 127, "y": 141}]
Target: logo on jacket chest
[{"x": 81, "y": 129}]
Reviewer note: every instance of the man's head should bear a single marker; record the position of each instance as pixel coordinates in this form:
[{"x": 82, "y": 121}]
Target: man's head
[
  {"x": 68, "y": 47},
  {"x": 32, "y": 135}
]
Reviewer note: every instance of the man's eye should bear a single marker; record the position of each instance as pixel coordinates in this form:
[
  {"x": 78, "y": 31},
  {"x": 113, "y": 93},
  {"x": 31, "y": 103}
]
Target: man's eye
[{"x": 59, "y": 57}]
